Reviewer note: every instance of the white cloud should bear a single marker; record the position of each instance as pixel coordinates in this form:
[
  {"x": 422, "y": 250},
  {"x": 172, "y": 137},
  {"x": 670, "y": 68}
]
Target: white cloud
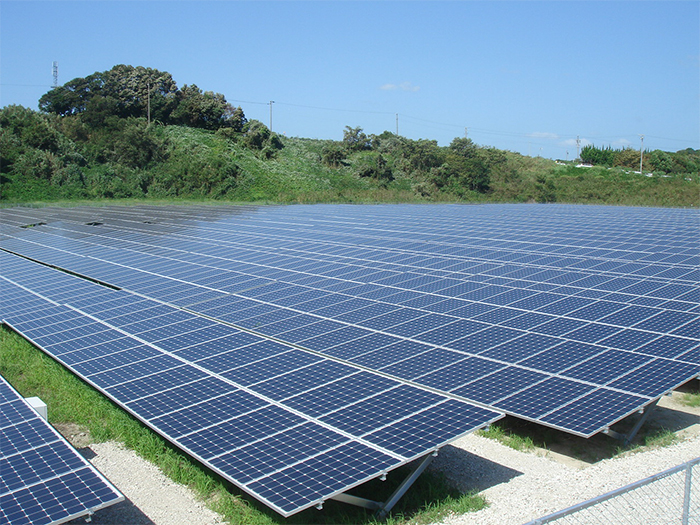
[
  {"x": 404, "y": 86},
  {"x": 622, "y": 143},
  {"x": 543, "y": 135}
]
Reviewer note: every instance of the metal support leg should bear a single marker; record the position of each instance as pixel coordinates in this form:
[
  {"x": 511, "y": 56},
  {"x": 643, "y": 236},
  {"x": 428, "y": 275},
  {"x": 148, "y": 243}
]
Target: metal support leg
[
  {"x": 358, "y": 502},
  {"x": 384, "y": 508},
  {"x": 627, "y": 438},
  {"x": 405, "y": 485},
  {"x": 685, "y": 519}
]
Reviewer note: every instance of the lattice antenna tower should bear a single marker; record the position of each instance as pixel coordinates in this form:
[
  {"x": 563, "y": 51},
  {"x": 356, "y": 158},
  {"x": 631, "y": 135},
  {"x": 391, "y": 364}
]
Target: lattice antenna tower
[{"x": 55, "y": 74}]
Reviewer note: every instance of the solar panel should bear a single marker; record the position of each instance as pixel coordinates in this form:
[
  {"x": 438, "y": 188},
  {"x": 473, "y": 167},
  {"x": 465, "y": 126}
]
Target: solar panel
[
  {"x": 556, "y": 314},
  {"x": 237, "y": 401},
  {"x": 43, "y": 480}
]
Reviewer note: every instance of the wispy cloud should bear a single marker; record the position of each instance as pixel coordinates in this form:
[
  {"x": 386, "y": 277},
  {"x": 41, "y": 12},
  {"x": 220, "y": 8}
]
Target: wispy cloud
[
  {"x": 543, "y": 135},
  {"x": 622, "y": 143},
  {"x": 404, "y": 86}
]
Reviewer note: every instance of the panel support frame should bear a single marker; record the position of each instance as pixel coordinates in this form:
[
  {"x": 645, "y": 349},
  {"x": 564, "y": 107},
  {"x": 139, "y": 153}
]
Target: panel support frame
[
  {"x": 627, "y": 438},
  {"x": 383, "y": 508}
]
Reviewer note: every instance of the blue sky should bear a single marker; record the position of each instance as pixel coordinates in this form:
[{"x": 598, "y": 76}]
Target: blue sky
[{"x": 525, "y": 76}]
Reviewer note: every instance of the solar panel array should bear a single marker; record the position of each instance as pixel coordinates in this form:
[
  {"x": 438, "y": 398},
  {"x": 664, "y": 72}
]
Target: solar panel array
[
  {"x": 290, "y": 427},
  {"x": 43, "y": 480},
  {"x": 570, "y": 316}
]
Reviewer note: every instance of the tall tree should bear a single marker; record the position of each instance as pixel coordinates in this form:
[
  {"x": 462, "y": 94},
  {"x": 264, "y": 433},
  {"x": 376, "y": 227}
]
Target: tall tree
[
  {"x": 128, "y": 91},
  {"x": 205, "y": 109},
  {"x": 355, "y": 139}
]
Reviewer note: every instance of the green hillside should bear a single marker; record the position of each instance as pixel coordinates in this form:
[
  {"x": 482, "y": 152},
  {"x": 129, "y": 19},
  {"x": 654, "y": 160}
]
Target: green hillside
[{"x": 130, "y": 133}]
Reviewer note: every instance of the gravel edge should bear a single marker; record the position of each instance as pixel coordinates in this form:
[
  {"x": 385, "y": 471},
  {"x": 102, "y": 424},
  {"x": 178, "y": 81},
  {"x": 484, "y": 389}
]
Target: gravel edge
[
  {"x": 151, "y": 497},
  {"x": 523, "y": 486}
]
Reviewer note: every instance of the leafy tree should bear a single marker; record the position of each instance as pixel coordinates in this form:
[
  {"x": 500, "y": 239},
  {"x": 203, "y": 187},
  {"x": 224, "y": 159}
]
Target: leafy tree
[
  {"x": 236, "y": 119},
  {"x": 466, "y": 168},
  {"x": 687, "y": 160},
  {"x": 424, "y": 154},
  {"x": 31, "y": 144},
  {"x": 545, "y": 189},
  {"x": 464, "y": 147},
  {"x": 355, "y": 139},
  {"x": 627, "y": 158},
  {"x": 127, "y": 89},
  {"x": 597, "y": 156},
  {"x": 256, "y": 134},
  {"x": 30, "y": 128},
  {"x": 374, "y": 165},
  {"x": 205, "y": 109},
  {"x": 333, "y": 155}
]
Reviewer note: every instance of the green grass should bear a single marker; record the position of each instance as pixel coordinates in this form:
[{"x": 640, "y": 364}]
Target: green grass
[
  {"x": 528, "y": 437},
  {"x": 508, "y": 438},
  {"x": 204, "y": 165},
  {"x": 662, "y": 437},
  {"x": 70, "y": 400},
  {"x": 691, "y": 399}
]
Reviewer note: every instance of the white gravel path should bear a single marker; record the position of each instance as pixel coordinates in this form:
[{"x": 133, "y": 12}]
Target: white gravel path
[
  {"x": 519, "y": 486},
  {"x": 522, "y": 486},
  {"x": 151, "y": 497}
]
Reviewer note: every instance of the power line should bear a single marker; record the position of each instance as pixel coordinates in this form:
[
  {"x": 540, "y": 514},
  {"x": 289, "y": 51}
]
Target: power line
[
  {"x": 472, "y": 129},
  {"x": 338, "y": 109},
  {"x": 249, "y": 102},
  {"x": 666, "y": 138},
  {"x": 27, "y": 85}
]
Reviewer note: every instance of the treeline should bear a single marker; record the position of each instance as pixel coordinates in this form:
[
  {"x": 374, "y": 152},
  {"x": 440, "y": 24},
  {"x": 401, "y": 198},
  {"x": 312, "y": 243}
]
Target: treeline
[
  {"x": 130, "y": 132},
  {"x": 686, "y": 161},
  {"x": 460, "y": 168},
  {"x": 45, "y": 156},
  {"x": 127, "y": 91},
  {"x": 107, "y": 136}
]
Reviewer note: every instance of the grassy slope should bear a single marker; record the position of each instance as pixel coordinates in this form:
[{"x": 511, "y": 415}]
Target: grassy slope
[{"x": 296, "y": 174}]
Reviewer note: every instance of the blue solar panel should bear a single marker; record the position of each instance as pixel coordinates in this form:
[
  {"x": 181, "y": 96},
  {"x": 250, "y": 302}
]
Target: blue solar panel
[
  {"x": 541, "y": 398},
  {"x": 499, "y": 384},
  {"x": 43, "y": 479},
  {"x": 527, "y": 306},
  {"x": 605, "y": 367},
  {"x": 583, "y": 414},
  {"x": 234, "y": 400}
]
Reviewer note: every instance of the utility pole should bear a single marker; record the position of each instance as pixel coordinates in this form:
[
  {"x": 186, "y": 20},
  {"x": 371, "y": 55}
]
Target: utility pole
[
  {"x": 55, "y": 74},
  {"x": 465, "y": 132},
  {"x": 271, "y": 102},
  {"x": 578, "y": 145},
  {"x": 641, "y": 155},
  {"x": 397, "y": 124}
]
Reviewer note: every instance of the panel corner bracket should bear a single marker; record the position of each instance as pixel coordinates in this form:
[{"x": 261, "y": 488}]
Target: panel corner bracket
[
  {"x": 627, "y": 438},
  {"x": 383, "y": 508}
]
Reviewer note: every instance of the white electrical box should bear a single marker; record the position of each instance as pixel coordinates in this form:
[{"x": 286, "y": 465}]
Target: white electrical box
[{"x": 38, "y": 405}]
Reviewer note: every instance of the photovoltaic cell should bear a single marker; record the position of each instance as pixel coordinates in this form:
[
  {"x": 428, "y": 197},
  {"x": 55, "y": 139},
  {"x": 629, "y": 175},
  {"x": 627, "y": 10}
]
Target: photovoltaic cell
[
  {"x": 43, "y": 480},
  {"x": 209, "y": 413},
  {"x": 537, "y": 308}
]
